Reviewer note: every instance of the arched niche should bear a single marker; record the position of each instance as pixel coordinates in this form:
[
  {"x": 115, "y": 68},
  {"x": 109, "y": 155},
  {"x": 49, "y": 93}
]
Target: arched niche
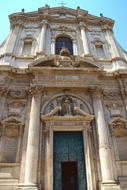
[{"x": 58, "y": 101}]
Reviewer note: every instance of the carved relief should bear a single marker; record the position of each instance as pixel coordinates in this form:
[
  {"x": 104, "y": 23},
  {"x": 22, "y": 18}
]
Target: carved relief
[
  {"x": 11, "y": 130},
  {"x": 19, "y": 93},
  {"x": 118, "y": 127},
  {"x": 16, "y": 108},
  {"x": 110, "y": 95},
  {"x": 113, "y": 103},
  {"x": 66, "y": 106}
]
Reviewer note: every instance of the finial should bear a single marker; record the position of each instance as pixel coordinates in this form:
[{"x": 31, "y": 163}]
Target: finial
[
  {"x": 101, "y": 14},
  {"x": 23, "y": 10},
  {"x": 46, "y": 5},
  {"x": 78, "y": 7}
]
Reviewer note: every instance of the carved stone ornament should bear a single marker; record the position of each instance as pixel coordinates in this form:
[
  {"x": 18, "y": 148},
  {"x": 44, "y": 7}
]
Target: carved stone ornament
[
  {"x": 67, "y": 107},
  {"x": 118, "y": 127},
  {"x": 19, "y": 93},
  {"x": 12, "y": 126},
  {"x": 64, "y": 60},
  {"x": 16, "y": 107}
]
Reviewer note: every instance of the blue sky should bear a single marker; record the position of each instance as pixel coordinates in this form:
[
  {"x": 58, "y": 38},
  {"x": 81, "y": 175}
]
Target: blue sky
[{"x": 115, "y": 9}]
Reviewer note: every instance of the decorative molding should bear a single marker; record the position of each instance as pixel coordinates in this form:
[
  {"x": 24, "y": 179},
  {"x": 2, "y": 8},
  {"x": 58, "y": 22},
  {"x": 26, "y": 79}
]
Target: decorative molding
[
  {"x": 18, "y": 93},
  {"x": 12, "y": 127},
  {"x": 35, "y": 89}
]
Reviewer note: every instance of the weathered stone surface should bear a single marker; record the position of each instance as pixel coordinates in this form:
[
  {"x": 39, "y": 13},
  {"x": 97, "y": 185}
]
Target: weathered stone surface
[{"x": 81, "y": 88}]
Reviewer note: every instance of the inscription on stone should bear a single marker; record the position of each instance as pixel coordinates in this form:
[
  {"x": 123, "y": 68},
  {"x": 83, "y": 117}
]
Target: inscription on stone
[{"x": 10, "y": 149}]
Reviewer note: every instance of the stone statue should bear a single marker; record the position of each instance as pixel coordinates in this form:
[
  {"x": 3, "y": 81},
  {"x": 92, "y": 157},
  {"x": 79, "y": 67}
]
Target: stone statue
[{"x": 67, "y": 106}]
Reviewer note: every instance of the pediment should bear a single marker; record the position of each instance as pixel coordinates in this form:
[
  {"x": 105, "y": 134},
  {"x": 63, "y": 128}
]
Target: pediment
[
  {"x": 43, "y": 62},
  {"x": 12, "y": 121},
  {"x": 116, "y": 120},
  {"x": 63, "y": 61}
]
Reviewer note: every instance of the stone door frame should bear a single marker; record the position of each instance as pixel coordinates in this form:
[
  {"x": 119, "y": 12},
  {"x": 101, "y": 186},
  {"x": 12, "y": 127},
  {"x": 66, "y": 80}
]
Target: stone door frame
[{"x": 71, "y": 123}]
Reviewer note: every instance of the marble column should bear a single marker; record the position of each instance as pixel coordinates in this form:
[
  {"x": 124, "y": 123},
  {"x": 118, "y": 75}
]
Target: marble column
[
  {"x": 42, "y": 43},
  {"x": 75, "y": 47},
  {"x": 104, "y": 147},
  {"x": 33, "y": 140},
  {"x": 84, "y": 39},
  {"x": 53, "y": 46}
]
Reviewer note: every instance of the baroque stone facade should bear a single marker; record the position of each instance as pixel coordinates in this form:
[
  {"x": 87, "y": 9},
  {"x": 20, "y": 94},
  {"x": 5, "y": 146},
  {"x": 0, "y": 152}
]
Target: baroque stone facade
[{"x": 63, "y": 86}]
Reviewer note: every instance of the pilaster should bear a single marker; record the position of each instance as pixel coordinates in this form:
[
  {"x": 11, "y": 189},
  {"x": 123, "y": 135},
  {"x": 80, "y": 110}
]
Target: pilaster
[
  {"x": 42, "y": 43},
  {"x": 84, "y": 39},
  {"x": 31, "y": 165},
  {"x": 106, "y": 165}
]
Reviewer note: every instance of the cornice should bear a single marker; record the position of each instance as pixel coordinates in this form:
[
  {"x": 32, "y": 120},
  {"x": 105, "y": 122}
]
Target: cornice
[
  {"x": 43, "y": 13},
  {"x": 67, "y": 118}
]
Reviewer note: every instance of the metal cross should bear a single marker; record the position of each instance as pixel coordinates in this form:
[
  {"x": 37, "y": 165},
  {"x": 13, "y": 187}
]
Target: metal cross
[{"x": 62, "y": 3}]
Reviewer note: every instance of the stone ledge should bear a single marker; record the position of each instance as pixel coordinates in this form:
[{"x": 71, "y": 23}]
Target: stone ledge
[
  {"x": 9, "y": 164},
  {"x": 27, "y": 187},
  {"x": 8, "y": 182},
  {"x": 110, "y": 187}
]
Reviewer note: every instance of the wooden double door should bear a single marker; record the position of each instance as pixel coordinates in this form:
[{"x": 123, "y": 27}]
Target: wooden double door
[{"x": 69, "y": 171}]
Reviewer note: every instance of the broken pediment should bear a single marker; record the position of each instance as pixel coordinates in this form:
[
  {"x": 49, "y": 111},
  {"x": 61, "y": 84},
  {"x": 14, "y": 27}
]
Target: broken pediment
[
  {"x": 11, "y": 121},
  {"x": 65, "y": 61}
]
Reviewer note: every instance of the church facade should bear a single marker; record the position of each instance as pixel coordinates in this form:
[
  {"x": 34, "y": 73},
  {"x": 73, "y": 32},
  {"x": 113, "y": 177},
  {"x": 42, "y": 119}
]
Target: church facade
[{"x": 63, "y": 103}]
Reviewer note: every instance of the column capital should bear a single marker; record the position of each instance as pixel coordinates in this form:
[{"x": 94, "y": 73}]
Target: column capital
[
  {"x": 96, "y": 92},
  {"x": 35, "y": 90},
  {"x": 44, "y": 23},
  {"x": 53, "y": 38},
  {"x": 82, "y": 25}
]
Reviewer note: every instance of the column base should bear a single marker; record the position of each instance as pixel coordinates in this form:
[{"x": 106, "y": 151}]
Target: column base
[
  {"x": 110, "y": 186},
  {"x": 27, "y": 187}
]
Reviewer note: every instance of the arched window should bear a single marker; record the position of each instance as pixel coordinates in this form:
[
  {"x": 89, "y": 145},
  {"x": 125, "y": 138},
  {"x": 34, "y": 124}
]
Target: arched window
[{"x": 65, "y": 42}]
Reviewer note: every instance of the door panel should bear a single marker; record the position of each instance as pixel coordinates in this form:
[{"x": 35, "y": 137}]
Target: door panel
[
  {"x": 68, "y": 147},
  {"x": 69, "y": 175}
]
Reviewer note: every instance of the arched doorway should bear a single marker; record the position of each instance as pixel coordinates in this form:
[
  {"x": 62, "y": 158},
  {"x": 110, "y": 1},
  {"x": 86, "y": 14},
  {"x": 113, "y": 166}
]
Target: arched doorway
[{"x": 66, "y": 123}]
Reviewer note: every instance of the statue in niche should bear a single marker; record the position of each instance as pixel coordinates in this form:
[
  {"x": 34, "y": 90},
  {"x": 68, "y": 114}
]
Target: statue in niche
[{"x": 67, "y": 107}]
